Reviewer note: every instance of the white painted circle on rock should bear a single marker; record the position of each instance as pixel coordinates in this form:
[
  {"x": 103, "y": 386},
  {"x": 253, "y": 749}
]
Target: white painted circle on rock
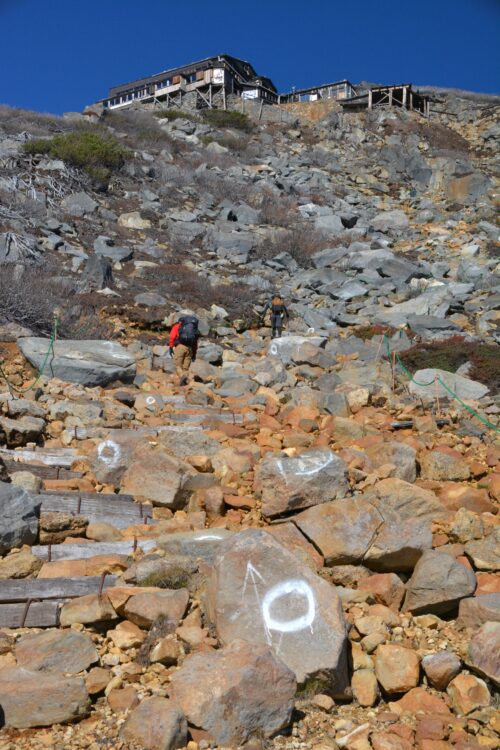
[
  {"x": 301, "y": 588},
  {"x": 109, "y": 453}
]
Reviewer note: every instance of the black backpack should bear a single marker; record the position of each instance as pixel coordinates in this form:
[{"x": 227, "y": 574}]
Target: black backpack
[{"x": 188, "y": 332}]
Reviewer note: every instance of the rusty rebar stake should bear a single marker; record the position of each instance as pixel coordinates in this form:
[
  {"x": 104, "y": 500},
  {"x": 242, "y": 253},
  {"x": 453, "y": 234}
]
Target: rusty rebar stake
[
  {"x": 101, "y": 585},
  {"x": 25, "y": 613}
]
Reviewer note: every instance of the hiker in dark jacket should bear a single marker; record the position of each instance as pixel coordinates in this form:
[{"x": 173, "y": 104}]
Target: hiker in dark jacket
[
  {"x": 183, "y": 344},
  {"x": 278, "y": 311}
]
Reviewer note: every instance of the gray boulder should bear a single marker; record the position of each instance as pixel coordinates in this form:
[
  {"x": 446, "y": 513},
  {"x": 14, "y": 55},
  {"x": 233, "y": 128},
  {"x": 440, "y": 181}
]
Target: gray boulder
[
  {"x": 38, "y": 699},
  {"x": 395, "y": 220},
  {"x": 260, "y": 591},
  {"x": 79, "y": 204},
  {"x": 235, "y": 693},
  {"x": 18, "y": 517},
  {"x": 96, "y": 275},
  {"x": 288, "y": 484},
  {"x": 437, "y": 584},
  {"x": 464, "y": 388},
  {"x": 86, "y": 362}
]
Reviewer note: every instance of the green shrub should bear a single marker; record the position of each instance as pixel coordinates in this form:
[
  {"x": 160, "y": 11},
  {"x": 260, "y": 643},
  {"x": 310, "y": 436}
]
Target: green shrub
[
  {"x": 221, "y": 118},
  {"x": 174, "y": 114},
  {"x": 172, "y": 578},
  {"x": 97, "y": 154},
  {"x": 455, "y": 351}
]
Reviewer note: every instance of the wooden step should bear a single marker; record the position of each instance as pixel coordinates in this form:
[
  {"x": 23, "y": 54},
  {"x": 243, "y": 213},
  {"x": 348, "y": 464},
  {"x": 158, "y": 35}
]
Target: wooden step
[
  {"x": 86, "y": 550},
  {"x": 36, "y": 603},
  {"x": 119, "y": 510},
  {"x": 20, "y": 590}
]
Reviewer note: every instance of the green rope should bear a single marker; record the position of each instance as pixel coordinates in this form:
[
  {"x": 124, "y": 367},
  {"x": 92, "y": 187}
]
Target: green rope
[
  {"x": 442, "y": 383},
  {"x": 40, "y": 372}
]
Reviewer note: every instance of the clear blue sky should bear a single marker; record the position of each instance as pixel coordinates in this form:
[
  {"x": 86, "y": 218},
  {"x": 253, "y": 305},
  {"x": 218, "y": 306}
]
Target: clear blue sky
[{"x": 59, "y": 55}]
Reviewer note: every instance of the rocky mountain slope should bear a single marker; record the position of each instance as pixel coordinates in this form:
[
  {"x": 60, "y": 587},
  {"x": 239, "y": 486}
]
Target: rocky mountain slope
[{"x": 300, "y": 548}]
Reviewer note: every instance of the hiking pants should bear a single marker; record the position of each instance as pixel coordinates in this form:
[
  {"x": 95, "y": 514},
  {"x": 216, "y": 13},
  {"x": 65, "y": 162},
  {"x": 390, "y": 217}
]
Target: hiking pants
[
  {"x": 183, "y": 357},
  {"x": 277, "y": 324}
]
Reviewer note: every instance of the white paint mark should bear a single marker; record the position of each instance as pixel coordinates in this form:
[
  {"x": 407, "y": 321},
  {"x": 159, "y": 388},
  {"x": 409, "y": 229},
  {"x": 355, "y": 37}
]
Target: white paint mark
[
  {"x": 298, "y": 588},
  {"x": 274, "y": 349},
  {"x": 310, "y": 330},
  {"x": 109, "y": 453},
  {"x": 252, "y": 573},
  {"x": 151, "y": 400},
  {"x": 204, "y": 537},
  {"x": 304, "y": 466}
]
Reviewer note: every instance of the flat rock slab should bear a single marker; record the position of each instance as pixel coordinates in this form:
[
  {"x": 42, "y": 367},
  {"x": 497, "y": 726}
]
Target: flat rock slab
[
  {"x": 289, "y": 484},
  {"x": 476, "y": 610},
  {"x": 261, "y": 592},
  {"x": 86, "y": 362},
  {"x": 37, "y": 699},
  {"x": 461, "y": 387},
  {"x": 235, "y": 693},
  {"x": 64, "y": 651}
]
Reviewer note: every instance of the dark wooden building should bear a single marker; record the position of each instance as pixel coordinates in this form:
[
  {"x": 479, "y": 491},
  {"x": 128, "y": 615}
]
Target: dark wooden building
[{"x": 209, "y": 81}]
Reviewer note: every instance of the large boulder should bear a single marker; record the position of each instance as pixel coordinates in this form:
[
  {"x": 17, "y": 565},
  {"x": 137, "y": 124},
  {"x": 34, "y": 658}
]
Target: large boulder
[
  {"x": 236, "y": 693},
  {"x": 386, "y": 221},
  {"x": 356, "y": 531},
  {"x": 288, "y": 484},
  {"x": 112, "y": 455},
  {"x": 261, "y": 592},
  {"x": 39, "y": 699},
  {"x": 462, "y": 387},
  {"x": 285, "y": 347},
  {"x": 155, "y": 476},
  {"x": 437, "y": 584},
  {"x": 18, "y": 518},
  {"x": 86, "y": 362},
  {"x": 405, "y": 499}
]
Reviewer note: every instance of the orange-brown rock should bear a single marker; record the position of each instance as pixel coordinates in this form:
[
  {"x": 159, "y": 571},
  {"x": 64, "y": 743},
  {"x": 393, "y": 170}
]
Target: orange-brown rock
[
  {"x": 122, "y": 699},
  {"x": 397, "y": 668},
  {"x": 387, "y": 588}
]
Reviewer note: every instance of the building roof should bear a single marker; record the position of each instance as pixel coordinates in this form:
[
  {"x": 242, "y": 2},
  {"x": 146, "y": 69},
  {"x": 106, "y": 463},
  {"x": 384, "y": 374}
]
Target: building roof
[{"x": 240, "y": 67}]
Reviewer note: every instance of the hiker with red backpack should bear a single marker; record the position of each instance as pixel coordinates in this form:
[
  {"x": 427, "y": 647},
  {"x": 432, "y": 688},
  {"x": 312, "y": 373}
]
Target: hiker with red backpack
[{"x": 183, "y": 345}]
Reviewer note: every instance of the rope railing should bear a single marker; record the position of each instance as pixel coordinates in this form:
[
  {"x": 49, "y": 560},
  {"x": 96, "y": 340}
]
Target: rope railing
[
  {"x": 394, "y": 356},
  {"x": 50, "y": 351}
]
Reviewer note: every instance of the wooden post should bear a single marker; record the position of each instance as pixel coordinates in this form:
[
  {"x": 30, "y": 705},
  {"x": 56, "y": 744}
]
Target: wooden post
[
  {"x": 370, "y": 99},
  {"x": 411, "y": 100},
  {"x": 223, "y": 97},
  {"x": 405, "y": 93}
]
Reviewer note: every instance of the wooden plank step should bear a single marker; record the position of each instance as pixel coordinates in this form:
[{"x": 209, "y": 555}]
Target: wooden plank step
[
  {"x": 20, "y": 590},
  {"x": 85, "y": 550},
  {"x": 38, "y": 615},
  {"x": 63, "y": 457},
  {"x": 97, "y": 508},
  {"x": 44, "y": 472}
]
